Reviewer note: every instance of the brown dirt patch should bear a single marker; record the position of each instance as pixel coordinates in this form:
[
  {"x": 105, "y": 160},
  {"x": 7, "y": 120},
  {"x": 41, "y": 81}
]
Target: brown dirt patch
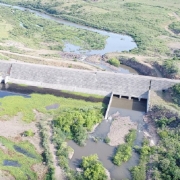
[
  {"x": 40, "y": 169},
  {"x": 4, "y": 175},
  {"x": 119, "y": 129},
  {"x": 13, "y": 128}
]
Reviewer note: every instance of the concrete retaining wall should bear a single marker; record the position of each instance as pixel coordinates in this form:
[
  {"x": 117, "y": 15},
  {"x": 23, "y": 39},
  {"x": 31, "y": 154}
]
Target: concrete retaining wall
[
  {"x": 91, "y": 82},
  {"x": 109, "y": 105}
]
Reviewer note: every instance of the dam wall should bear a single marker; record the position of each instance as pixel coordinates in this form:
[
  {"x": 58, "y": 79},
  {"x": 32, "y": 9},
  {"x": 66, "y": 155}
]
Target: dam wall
[
  {"x": 4, "y": 68},
  {"x": 92, "y": 82}
]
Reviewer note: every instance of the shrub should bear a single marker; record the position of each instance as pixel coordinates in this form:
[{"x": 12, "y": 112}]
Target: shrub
[
  {"x": 29, "y": 133},
  {"x": 170, "y": 66},
  {"x": 114, "y": 62},
  {"x": 107, "y": 140},
  {"x": 93, "y": 168},
  {"x": 124, "y": 151}
]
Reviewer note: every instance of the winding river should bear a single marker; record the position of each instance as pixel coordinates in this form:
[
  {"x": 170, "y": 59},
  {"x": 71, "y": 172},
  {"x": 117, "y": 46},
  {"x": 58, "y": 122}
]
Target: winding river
[{"x": 114, "y": 43}]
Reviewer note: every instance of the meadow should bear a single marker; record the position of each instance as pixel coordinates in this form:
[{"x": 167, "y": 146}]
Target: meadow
[
  {"x": 144, "y": 21},
  {"x": 11, "y": 105},
  {"x": 25, "y": 163},
  {"x": 38, "y": 33}
]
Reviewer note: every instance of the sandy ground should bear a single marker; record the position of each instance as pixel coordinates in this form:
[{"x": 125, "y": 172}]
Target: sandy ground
[
  {"x": 40, "y": 169},
  {"x": 119, "y": 129},
  {"x": 14, "y": 127}
]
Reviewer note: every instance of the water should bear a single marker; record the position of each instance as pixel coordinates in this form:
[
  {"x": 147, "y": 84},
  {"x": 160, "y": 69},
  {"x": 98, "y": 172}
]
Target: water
[
  {"x": 23, "y": 151},
  {"x": 132, "y": 108},
  {"x": 6, "y": 93},
  {"x": 11, "y": 163},
  {"x": 114, "y": 43},
  {"x": 53, "y": 106}
]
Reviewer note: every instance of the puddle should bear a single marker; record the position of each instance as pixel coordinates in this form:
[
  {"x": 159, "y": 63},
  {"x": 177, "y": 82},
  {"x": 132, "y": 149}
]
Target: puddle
[
  {"x": 11, "y": 163},
  {"x": 53, "y": 106},
  {"x": 23, "y": 151}
]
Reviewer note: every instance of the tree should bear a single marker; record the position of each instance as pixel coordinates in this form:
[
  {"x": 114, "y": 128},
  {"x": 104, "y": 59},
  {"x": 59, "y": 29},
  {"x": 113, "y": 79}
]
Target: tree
[{"x": 93, "y": 169}]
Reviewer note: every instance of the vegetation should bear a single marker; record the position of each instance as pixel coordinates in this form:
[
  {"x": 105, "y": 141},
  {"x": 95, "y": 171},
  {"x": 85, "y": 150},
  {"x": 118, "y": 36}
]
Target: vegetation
[
  {"x": 92, "y": 168},
  {"x": 114, "y": 62},
  {"x": 36, "y": 32},
  {"x": 143, "y": 20},
  {"x": 124, "y": 151},
  {"x": 176, "y": 93},
  {"x": 2, "y": 57},
  {"x": 83, "y": 94},
  {"x": 9, "y": 153},
  {"x": 11, "y": 105},
  {"x": 164, "y": 158},
  {"x": 170, "y": 67},
  {"x": 29, "y": 133},
  {"x": 46, "y": 154},
  {"x": 107, "y": 140},
  {"x": 139, "y": 172},
  {"x": 76, "y": 123},
  {"x": 176, "y": 54},
  {"x": 175, "y": 27}
]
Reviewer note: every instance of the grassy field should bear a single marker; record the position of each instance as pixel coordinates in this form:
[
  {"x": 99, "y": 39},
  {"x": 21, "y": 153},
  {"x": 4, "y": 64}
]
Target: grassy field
[
  {"x": 145, "y": 21},
  {"x": 11, "y": 105},
  {"x": 9, "y": 153},
  {"x": 35, "y": 32}
]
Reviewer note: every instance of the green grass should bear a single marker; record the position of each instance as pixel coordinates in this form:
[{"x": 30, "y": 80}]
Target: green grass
[
  {"x": 36, "y": 32},
  {"x": 83, "y": 94},
  {"x": 25, "y": 162},
  {"x": 175, "y": 27},
  {"x": 11, "y": 105},
  {"x": 144, "y": 20},
  {"x": 2, "y": 57},
  {"x": 4, "y": 29}
]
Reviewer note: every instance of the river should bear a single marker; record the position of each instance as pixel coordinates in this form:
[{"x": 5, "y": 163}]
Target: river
[
  {"x": 133, "y": 108},
  {"x": 114, "y": 43}
]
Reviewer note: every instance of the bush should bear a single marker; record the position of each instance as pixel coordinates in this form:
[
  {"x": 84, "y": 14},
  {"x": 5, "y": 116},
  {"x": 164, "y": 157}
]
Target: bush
[
  {"x": 79, "y": 134},
  {"x": 124, "y": 151},
  {"x": 114, "y": 62},
  {"x": 107, "y": 140},
  {"x": 170, "y": 66},
  {"x": 93, "y": 168},
  {"x": 139, "y": 172},
  {"x": 29, "y": 133}
]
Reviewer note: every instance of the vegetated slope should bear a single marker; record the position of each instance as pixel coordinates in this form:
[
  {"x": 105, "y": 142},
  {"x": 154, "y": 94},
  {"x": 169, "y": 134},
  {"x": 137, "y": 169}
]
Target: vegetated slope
[{"x": 143, "y": 20}]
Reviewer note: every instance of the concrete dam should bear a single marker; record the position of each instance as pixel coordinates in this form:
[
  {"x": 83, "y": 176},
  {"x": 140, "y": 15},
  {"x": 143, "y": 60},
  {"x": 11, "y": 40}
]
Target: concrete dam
[{"x": 92, "y": 82}]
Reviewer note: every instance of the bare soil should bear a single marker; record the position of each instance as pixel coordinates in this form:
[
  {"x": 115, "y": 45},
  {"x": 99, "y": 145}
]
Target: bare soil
[
  {"x": 4, "y": 175},
  {"x": 13, "y": 128},
  {"x": 119, "y": 129}
]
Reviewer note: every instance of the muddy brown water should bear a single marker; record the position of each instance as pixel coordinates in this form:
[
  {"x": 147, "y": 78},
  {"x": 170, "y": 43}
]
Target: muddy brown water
[{"x": 135, "y": 109}]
